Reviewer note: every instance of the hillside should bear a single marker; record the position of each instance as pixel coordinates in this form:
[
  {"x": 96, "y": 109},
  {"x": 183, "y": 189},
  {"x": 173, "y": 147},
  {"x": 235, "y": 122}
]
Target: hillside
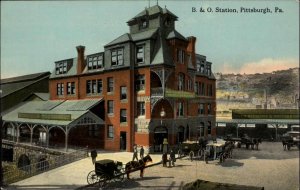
[{"x": 279, "y": 89}]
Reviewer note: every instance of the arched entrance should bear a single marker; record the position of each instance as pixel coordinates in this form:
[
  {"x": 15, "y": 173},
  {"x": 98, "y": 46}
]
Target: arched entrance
[
  {"x": 180, "y": 135},
  {"x": 24, "y": 163},
  {"x": 160, "y": 133}
]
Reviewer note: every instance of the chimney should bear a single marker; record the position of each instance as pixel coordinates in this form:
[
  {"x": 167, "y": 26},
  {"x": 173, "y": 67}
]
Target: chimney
[
  {"x": 192, "y": 43},
  {"x": 80, "y": 59}
]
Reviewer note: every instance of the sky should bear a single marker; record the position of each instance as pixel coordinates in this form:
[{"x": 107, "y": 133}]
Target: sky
[{"x": 35, "y": 34}]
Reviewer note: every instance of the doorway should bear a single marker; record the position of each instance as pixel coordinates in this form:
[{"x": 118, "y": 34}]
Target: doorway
[
  {"x": 123, "y": 140},
  {"x": 160, "y": 133}
]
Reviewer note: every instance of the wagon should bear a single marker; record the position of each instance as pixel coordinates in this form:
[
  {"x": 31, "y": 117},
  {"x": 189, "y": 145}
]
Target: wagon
[
  {"x": 105, "y": 171},
  {"x": 191, "y": 149}
]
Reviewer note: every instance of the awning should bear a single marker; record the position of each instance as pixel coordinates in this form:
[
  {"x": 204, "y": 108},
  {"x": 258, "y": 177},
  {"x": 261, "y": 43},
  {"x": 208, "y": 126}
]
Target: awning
[{"x": 55, "y": 113}]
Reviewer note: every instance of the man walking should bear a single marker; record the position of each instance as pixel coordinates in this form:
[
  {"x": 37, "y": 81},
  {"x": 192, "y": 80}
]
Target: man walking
[
  {"x": 142, "y": 152},
  {"x": 135, "y": 153},
  {"x": 172, "y": 158},
  {"x": 93, "y": 155}
]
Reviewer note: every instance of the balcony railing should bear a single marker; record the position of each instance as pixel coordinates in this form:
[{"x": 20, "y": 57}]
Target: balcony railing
[
  {"x": 179, "y": 94},
  {"x": 158, "y": 91},
  {"x": 171, "y": 93}
]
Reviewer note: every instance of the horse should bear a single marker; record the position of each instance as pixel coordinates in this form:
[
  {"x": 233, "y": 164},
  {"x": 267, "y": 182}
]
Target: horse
[{"x": 137, "y": 165}]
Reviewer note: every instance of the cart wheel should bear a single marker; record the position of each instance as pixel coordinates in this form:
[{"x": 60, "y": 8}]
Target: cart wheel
[
  {"x": 92, "y": 177},
  {"x": 120, "y": 175},
  {"x": 102, "y": 181}
]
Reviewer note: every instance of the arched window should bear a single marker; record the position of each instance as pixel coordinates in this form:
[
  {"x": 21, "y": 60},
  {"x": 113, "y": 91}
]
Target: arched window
[{"x": 181, "y": 81}]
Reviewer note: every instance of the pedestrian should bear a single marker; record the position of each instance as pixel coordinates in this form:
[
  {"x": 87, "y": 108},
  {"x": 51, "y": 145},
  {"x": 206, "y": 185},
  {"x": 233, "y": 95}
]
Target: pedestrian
[
  {"x": 93, "y": 155},
  {"x": 206, "y": 155},
  {"x": 87, "y": 150},
  {"x": 142, "y": 152},
  {"x": 135, "y": 153},
  {"x": 164, "y": 159},
  {"x": 172, "y": 159}
]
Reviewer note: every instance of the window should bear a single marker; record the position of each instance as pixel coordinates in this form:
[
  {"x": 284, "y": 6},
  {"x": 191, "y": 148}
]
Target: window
[
  {"x": 123, "y": 116},
  {"x": 110, "y": 131},
  {"x": 60, "y": 89},
  {"x": 123, "y": 95},
  {"x": 93, "y": 131},
  {"x": 143, "y": 24},
  {"x": 70, "y": 87},
  {"x": 202, "y": 68},
  {"x": 110, "y": 84},
  {"x": 180, "y": 109},
  {"x": 181, "y": 81},
  {"x": 110, "y": 107},
  {"x": 196, "y": 88},
  {"x": 117, "y": 57},
  {"x": 141, "y": 108},
  {"x": 201, "y": 109},
  {"x": 202, "y": 90},
  {"x": 95, "y": 62},
  {"x": 180, "y": 56},
  {"x": 190, "y": 84},
  {"x": 198, "y": 67},
  {"x": 210, "y": 90},
  {"x": 61, "y": 67},
  {"x": 140, "y": 82},
  {"x": 208, "y": 70},
  {"x": 99, "y": 86},
  {"x": 140, "y": 54},
  {"x": 209, "y": 128},
  {"x": 208, "y": 108},
  {"x": 94, "y": 86}
]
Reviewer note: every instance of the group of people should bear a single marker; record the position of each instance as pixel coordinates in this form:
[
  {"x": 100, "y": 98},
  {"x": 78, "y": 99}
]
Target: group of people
[
  {"x": 171, "y": 159},
  {"x": 135, "y": 153}
]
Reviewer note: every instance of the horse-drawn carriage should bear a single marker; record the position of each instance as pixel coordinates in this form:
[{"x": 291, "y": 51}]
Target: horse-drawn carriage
[
  {"x": 290, "y": 139},
  {"x": 192, "y": 148},
  {"x": 106, "y": 170},
  {"x": 246, "y": 140},
  {"x": 218, "y": 151}
]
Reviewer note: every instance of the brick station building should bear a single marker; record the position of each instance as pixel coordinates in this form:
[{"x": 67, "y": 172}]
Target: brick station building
[{"x": 147, "y": 85}]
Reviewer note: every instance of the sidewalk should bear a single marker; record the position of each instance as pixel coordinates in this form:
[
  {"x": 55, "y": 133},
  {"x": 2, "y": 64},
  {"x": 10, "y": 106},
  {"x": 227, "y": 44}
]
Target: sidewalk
[{"x": 74, "y": 175}]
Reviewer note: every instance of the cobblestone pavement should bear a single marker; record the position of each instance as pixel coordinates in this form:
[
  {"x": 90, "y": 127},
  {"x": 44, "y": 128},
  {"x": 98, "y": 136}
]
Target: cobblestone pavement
[{"x": 270, "y": 167}]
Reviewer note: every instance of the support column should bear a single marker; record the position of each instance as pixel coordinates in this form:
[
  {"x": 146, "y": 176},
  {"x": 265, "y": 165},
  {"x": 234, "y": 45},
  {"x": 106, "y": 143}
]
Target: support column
[
  {"x": 66, "y": 138},
  {"x": 163, "y": 81},
  {"x": 18, "y": 133},
  {"x": 276, "y": 134},
  {"x": 13, "y": 132},
  {"x": 237, "y": 131},
  {"x": 47, "y": 136}
]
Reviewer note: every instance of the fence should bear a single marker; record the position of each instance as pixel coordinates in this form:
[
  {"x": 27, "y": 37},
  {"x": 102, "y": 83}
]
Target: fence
[{"x": 15, "y": 174}]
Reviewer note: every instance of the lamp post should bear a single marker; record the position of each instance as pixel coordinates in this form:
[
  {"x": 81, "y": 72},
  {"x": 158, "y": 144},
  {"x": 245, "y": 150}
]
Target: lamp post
[{"x": 162, "y": 114}]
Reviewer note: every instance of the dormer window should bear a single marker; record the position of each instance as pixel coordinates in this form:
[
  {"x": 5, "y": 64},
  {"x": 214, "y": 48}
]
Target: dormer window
[
  {"x": 168, "y": 22},
  {"x": 202, "y": 68},
  {"x": 208, "y": 70},
  {"x": 61, "y": 67},
  {"x": 117, "y": 57},
  {"x": 143, "y": 23},
  {"x": 95, "y": 62}
]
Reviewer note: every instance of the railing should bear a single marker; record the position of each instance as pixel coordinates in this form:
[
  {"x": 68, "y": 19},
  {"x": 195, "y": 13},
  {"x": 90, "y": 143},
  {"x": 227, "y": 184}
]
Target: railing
[
  {"x": 157, "y": 91},
  {"x": 13, "y": 174}
]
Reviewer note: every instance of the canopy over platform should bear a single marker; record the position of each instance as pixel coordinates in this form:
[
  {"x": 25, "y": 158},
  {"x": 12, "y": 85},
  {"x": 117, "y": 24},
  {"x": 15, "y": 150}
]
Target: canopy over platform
[{"x": 64, "y": 114}]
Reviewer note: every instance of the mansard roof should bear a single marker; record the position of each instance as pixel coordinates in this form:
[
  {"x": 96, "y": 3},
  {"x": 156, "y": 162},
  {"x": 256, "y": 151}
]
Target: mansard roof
[
  {"x": 174, "y": 34},
  {"x": 162, "y": 53},
  {"x": 133, "y": 37},
  {"x": 153, "y": 11}
]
